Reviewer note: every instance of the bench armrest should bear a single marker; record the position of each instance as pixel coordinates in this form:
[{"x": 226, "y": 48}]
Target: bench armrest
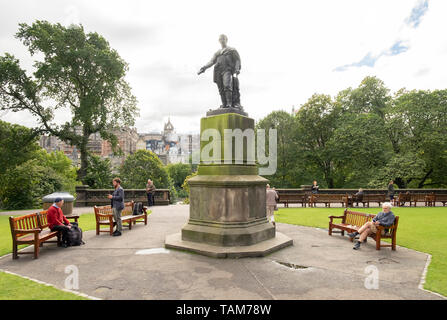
[
  {"x": 380, "y": 227},
  {"x": 27, "y": 231},
  {"x": 335, "y": 217},
  {"x": 105, "y": 215}
]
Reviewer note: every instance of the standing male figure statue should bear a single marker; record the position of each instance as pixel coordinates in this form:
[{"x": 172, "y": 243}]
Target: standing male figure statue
[{"x": 227, "y": 65}]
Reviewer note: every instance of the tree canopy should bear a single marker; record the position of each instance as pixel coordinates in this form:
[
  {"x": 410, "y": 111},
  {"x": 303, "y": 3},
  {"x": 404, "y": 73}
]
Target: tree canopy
[
  {"x": 79, "y": 73},
  {"x": 363, "y": 137}
]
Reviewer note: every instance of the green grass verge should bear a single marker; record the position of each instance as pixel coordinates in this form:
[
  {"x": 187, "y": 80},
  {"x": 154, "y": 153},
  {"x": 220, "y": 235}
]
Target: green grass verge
[
  {"x": 421, "y": 228},
  {"x": 13, "y": 287}
]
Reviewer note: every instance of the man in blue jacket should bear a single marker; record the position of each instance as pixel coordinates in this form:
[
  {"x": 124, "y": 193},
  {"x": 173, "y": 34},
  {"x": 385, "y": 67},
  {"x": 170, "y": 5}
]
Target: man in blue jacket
[
  {"x": 384, "y": 218},
  {"x": 117, "y": 204}
]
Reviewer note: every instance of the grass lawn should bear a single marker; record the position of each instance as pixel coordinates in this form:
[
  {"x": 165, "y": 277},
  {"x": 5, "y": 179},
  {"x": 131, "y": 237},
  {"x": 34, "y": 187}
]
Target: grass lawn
[
  {"x": 421, "y": 228},
  {"x": 13, "y": 287}
]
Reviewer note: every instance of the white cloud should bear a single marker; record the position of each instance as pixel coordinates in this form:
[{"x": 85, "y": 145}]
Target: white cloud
[{"x": 289, "y": 49}]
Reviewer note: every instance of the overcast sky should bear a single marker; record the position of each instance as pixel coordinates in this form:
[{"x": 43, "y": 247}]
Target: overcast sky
[{"x": 289, "y": 49}]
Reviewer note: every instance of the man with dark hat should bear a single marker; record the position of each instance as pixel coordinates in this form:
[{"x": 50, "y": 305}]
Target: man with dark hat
[{"x": 57, "y": 220}]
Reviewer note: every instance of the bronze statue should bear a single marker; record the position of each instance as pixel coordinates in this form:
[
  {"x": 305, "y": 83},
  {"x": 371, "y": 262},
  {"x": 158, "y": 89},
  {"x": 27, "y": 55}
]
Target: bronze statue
[{"x": 227, "y": 66}]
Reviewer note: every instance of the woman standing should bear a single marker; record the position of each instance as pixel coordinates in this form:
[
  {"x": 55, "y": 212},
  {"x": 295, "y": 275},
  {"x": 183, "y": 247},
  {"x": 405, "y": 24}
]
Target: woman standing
[{"x": 271, "y": 198}]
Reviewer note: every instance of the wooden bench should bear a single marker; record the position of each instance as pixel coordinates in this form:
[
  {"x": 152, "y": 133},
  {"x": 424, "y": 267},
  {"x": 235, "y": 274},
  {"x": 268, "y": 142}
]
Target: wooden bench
[
  {"x": 430, "y": 200},
  {"x": 352, "y": 221},
  {"x": 441, "y": 198},
  {"x": 287, "y": 198},
  {"x": 104, "y": 217},
  {"x": 402, "y": 198},
  {"x": 31, "y": 229},
  {"x": 421, "y": 197},
  {"x": 378, "y": 198},
  {"x": 327, "y": 199}
]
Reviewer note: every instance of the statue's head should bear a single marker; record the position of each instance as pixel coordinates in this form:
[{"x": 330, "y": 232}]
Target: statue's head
[{"x": 223, "y": 39}]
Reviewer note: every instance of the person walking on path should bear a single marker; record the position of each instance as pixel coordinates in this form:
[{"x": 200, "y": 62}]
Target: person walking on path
[
  {"x": 150, "y": 191},
  {"x": 117, "y": 204},
  {"x": 57, "y": 220},
  {"x": 271, "y": 197},
  {"x": 384, "y": 218}
]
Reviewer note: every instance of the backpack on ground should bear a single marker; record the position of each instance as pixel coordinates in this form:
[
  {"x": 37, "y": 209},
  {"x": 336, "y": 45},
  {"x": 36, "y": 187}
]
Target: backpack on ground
[
  {"x": 137, "y": 208},
  {"x": 74, "y": 235}
]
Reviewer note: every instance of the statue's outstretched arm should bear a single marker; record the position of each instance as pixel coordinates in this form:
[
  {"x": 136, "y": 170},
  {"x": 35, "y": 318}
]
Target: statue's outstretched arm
[{"x": 208, "y": 65}]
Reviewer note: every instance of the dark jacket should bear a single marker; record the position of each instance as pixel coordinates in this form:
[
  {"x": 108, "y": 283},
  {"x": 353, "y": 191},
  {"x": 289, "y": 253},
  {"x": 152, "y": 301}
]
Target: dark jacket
[
  {"x": 118, "y": 198},
  {"x": 150, "y": 188},
  {"x": 385, "y": 219},
  {"x": 358, "y": 196},
  {"x": 391, "y": 189}
]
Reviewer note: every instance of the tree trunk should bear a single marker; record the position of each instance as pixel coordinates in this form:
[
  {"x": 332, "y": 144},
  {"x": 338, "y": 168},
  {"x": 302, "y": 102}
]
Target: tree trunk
[
  {"x": 82, "y": 172},
  {"x": 421, "y": 184},
  {"x": 400, "y": 183}
]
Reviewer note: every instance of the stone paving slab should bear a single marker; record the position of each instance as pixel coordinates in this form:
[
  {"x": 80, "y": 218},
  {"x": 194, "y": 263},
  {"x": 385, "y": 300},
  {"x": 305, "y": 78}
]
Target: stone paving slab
[{"x": 326, "y": 267}]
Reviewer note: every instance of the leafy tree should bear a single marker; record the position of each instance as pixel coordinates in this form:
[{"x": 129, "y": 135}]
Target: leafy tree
[
  {"x": 17, "y": 145},
  {"x": 62, "y": 166},
  {"x": 178, "y": 172},
  {"x": 99, "y": 172},
  {"x": 364, "y": 137},
  {"x": 317, "y": 121},
  {"x": 289, "y": 172},
  {"x": 422, "y": 114},
  {"x": 23, "y": 186},
  {"x": 360, "y": 146},
  {"x": 370, "y": 97},
  {"x": 79, "y": 73},
  {"x": 402, "y": 168},
  {"x": 141, "y": 166},
  {"x": 185, "y": 186},
  {"x": 27, "y": 172}
]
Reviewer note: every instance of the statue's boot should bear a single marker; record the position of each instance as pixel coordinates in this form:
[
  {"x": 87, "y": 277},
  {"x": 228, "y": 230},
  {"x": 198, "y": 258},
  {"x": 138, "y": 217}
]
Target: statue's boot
[
  {"x": 222, "y": 98},
  {"x": 229, "y": 99}
]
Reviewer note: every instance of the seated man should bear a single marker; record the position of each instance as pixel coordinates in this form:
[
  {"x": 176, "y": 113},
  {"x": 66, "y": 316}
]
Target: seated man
[
  {"x": 57, "y": 221},
  {"x": 358, "y": 197},
  {"x": 384, "y": 218}
]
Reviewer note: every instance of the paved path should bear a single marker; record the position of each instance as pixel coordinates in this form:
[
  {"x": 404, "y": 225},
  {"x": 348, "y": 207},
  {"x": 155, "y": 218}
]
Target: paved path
[{"x": 136, "y": 266}]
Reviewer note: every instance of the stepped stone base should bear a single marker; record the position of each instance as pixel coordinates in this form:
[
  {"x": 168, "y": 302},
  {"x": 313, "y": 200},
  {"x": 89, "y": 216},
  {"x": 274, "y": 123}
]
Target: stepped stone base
[
  {"x": 228, "y": 234},
  {"x": 260, "y": 249}
]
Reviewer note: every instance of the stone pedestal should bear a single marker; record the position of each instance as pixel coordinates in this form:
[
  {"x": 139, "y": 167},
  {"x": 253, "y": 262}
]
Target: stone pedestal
[{"x": 228, "y": 197}]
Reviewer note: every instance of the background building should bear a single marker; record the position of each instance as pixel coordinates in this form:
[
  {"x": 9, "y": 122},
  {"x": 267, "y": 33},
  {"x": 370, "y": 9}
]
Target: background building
[{"x": 169, "y": 146}]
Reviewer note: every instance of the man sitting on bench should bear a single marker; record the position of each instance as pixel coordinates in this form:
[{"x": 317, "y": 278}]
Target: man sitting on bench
[
  {"x": 57, "y": 221},
  {"x": 384, "y": 218}
]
